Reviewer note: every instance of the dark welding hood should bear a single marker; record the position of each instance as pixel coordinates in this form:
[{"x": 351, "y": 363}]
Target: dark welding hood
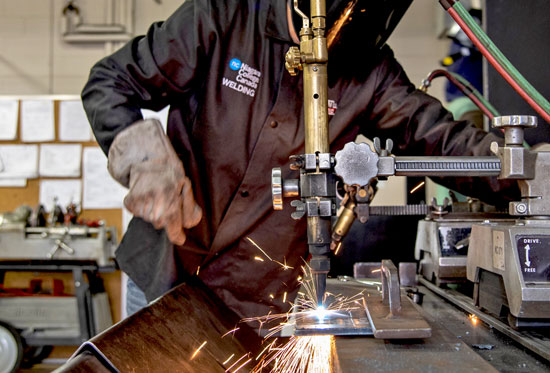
[
  {"x": 363, "y": 23},
  {"x": 356, "y": 31}
]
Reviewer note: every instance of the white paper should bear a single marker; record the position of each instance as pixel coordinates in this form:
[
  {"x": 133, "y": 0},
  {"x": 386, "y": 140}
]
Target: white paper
[
  {"x": 60, "y": 160},
  {"x": 162, "y": 116},
  {"x": 19, "y": 183},
  {"x": 73, "y": 123},
  {"x": 18, "y": 161},
  {"x": 101, "y": 191},
  {"x": 37, "y": 120},
  {"x": 8, "y": 119},
  {"x": 66, "y": 192}
]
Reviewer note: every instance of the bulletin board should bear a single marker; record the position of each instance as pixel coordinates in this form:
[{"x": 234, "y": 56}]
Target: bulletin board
[{"x": 12, "y": 197}]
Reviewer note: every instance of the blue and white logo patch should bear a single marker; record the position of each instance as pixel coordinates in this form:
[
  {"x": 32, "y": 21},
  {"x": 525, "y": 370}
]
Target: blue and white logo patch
[
  {"x": 246, "y": 79},
  {"x": 235, "y": 64}
]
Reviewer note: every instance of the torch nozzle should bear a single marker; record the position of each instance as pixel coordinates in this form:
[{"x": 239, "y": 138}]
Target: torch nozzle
[{"x": 320, "y": 282}]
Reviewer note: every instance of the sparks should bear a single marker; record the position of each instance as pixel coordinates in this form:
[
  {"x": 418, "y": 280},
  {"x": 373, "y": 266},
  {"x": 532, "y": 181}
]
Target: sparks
[
  {"x": 302, "y": 353},
  {"x": 239, "y": 368},
  {"x": 269, "y": 346},
  {"x": 258, "y": 247},
  {"x": 420, "y": 185},
  {"x": 337, "y": 251},
  {"x": 258, "y": 259},
  {"x": 198, "y": 270},
  {"x": 334, "y": 31},
  {"x": 229, "y": 332},
  {"x": 198, "y": 349},
  {"x": 284, "y": 265},
  {"x": 473, "y": 319},
  {"x": 376, "y": 270},
  {"x": 228, "y": 359},
  {"x": 284, "y": 297},
  {"x": 236, "y": 362}
]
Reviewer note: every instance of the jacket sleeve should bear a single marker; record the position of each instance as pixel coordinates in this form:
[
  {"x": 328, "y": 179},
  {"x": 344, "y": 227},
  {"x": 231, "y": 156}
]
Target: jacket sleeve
[
  {"x": 419, "y": 125},
  {"x": 150, "y": 71}
]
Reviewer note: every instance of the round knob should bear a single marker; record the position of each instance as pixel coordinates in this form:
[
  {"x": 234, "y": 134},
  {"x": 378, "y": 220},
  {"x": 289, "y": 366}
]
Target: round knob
[
  {"x": 525, "y": 121},
  {"x": 277, "y": 188},
  {"x": 513, "y": 127},
  {"x": 356, "y": 164},
  {"x": 293, "y": 61}
]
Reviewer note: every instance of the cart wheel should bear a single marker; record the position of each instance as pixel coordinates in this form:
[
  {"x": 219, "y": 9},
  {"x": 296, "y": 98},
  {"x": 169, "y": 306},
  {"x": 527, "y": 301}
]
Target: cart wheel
[{"x": 11, "y": 349}]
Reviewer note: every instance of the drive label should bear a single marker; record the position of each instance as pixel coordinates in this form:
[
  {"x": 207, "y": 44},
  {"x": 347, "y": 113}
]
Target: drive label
[{"x": 534, "y": 257}]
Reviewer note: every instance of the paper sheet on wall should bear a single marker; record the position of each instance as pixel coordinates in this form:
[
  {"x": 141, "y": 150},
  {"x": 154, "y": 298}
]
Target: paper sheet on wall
[
  {"x": 9, "y": 110},
  {"x": 101, "y": 191},
  {"x": 18, "y": 161},
  {"x": 73, "y": 123},
  {"x": 66, "y": 192},
  {"x": 37, "y": 121},
  {"x": 60, "y": 160},
  {"x": 18, "y": 183},
  {"x": 162, "y": 116}
]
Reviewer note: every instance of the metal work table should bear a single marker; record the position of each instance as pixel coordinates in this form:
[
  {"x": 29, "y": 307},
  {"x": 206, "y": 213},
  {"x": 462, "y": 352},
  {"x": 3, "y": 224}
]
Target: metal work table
[
  {"x": 165, "y": 334},
  {"x": 457, "y": 344}
]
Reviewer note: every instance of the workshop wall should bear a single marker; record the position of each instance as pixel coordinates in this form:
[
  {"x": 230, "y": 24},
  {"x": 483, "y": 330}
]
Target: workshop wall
[{"x": 35, "y": 60}]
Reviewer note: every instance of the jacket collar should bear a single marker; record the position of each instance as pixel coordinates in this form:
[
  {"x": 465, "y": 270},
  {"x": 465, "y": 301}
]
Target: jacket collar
[{"x": 276, "y": 23}]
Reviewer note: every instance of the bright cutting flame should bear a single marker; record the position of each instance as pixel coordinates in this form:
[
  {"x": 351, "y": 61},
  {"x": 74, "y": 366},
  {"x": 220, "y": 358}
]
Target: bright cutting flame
[
  {"x": 302, "y": 353},
  {"x": 473, "y": 319},
  {"x": 321, "y": 313}
]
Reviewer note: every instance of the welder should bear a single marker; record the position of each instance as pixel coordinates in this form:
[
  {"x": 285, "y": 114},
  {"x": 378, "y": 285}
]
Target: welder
[{"x": 200, "y": 190}]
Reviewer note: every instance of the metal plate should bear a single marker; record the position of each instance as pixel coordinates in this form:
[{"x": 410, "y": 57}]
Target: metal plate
[
  {"x": 406, "y": 324},
  {"x": 166, "y": 336},
  {"x": 354, "y": 322},
  {"x": 369, "y": 316}
]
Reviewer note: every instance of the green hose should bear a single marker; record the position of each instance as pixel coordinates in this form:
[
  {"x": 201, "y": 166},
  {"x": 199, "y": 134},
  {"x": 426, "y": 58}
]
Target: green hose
[
  {"x": 497, "y": 54},
  {"x": 476, "y": 93}
]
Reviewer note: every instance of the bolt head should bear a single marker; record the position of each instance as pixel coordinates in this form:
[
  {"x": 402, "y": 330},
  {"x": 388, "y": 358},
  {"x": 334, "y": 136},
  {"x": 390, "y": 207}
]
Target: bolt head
[{"x": 521, "y": 208}]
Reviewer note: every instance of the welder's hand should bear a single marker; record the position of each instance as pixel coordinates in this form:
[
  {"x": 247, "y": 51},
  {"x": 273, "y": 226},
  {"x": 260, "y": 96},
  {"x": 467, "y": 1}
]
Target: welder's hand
[
  {"x": 142, "y": 158},
  {"x": 161, "y": 194}
]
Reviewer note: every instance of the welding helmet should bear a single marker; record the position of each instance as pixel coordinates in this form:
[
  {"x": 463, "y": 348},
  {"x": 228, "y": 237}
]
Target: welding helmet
[
  {"x": 367, "y": 22},
  {"x": 356, "y": 29}
]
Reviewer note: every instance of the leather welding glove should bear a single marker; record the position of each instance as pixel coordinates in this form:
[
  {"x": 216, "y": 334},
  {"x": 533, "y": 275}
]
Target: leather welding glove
[{"x": 142, "y": 159}]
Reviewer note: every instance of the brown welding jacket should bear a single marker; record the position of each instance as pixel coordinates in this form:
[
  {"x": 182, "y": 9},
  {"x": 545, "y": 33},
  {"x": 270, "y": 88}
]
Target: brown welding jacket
[{"x": 235, "y": 113}]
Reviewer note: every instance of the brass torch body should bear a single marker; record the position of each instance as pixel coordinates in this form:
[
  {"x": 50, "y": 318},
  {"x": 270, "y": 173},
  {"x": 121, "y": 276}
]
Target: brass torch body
[{"x": 314, "y": 48}]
